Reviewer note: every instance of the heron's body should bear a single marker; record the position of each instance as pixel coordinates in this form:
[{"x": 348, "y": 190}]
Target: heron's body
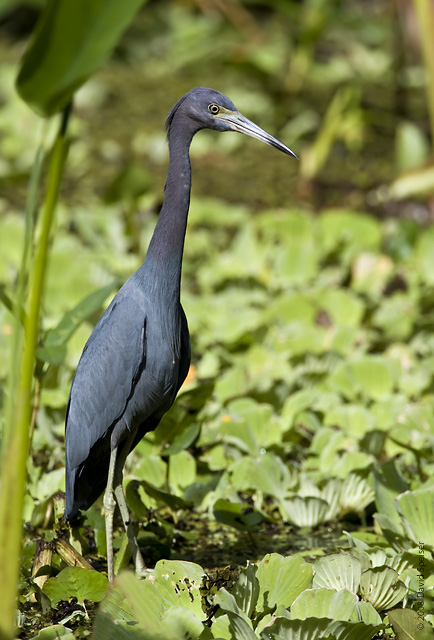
[
  {"x": 138, "y": 355},
  {"x": 103, "y": 409}
]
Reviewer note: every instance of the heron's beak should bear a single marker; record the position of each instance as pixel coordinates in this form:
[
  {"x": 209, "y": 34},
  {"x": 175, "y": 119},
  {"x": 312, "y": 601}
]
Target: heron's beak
[{"x": 238, "y": 122}]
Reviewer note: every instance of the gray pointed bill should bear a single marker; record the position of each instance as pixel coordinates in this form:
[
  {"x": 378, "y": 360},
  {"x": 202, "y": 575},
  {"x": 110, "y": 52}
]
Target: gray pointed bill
[{"x": 240, "y": 123}]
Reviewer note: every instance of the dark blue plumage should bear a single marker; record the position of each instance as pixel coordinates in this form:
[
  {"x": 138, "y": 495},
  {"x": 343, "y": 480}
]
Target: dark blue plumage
[{"x": 138, "y": 355}]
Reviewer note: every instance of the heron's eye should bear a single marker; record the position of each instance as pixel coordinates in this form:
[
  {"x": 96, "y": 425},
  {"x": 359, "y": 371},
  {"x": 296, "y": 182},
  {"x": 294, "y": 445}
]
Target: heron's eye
[{"x": 214, "y": 109}]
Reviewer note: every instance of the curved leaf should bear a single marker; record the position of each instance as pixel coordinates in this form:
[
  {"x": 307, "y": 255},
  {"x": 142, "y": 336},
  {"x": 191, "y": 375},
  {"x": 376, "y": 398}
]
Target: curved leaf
[
  {"x": 71, "y": 41},
  {"x": 281, "y": 580},
  {"x": 382, "y": 588},
  {"x": 338, "y": 571}
]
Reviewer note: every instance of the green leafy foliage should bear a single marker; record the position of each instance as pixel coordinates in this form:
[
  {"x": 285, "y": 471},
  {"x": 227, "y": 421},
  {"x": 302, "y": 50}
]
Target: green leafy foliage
[
  {"x": 172, "y": 597},
  {"x": 319, "y": 435},
  {"x": 75, "y": 582}
]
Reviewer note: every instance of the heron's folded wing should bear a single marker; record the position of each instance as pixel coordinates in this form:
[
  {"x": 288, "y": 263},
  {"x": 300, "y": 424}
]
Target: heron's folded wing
[{"x": 109, "y": 368}]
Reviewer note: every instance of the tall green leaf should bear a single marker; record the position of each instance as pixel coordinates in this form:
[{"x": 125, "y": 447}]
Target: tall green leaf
[
  {"x": 15, "y": 446},
  {"x": 71, "y": 41}
]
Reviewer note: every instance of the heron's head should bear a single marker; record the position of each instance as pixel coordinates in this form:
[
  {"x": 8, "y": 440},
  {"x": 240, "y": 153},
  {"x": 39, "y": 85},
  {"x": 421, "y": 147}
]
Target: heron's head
[{"x": 203, "y": 108}]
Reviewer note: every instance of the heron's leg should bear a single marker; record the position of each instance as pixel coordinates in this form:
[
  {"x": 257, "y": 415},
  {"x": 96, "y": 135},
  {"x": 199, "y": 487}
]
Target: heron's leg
[
  {"x": 139, "y": 563},
  {"x": 109, "y": 509}
]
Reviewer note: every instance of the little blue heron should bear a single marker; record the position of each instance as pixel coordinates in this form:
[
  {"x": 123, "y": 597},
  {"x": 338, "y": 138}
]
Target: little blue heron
[{"x": 138, "y": 355}]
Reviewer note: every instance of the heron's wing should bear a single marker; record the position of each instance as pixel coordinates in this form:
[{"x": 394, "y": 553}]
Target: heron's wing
[{"x": 111, "y": 363}]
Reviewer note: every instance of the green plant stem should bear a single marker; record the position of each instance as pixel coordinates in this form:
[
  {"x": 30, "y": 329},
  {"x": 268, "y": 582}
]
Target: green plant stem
[
  {"x": 17, "y": 433},
  {"x": 18, "y": 304},
  {"x": 425, "y": 17}
]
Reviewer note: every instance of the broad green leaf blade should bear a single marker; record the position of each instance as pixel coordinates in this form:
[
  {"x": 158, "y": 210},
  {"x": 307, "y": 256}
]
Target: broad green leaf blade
[
  {"x": 281, "y": 580},
  {"x": 296, "y": 260},
  {"x": 417, "y": 511},
  {"x": 407, "y": 625},
  {"x": 324, "y": 603},
  {"x": 71, "y": 41},
  {"x": 382, "y": 588},
  {"x": 75, "y": 582},
  {"x": 338, "y": 571}
]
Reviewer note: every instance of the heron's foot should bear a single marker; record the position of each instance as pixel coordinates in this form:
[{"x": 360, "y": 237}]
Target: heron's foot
[
  {"x": 141, "y": 569},
  {"x": 109, "y": 509},
  {"x": 143, "y": 572},
  {"x": 109, "y": 503}
]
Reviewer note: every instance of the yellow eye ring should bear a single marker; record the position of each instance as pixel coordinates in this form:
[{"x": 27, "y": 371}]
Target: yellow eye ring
[{"x": 214, "y": 109}]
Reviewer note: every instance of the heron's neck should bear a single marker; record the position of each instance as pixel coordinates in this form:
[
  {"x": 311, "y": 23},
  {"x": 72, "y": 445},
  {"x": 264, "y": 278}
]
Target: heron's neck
[{"x": 164, "y": 257}]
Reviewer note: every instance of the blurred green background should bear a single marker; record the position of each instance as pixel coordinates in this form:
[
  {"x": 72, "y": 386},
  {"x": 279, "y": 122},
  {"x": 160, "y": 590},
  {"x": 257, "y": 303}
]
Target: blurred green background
[{"x": 286, "y": 64}]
